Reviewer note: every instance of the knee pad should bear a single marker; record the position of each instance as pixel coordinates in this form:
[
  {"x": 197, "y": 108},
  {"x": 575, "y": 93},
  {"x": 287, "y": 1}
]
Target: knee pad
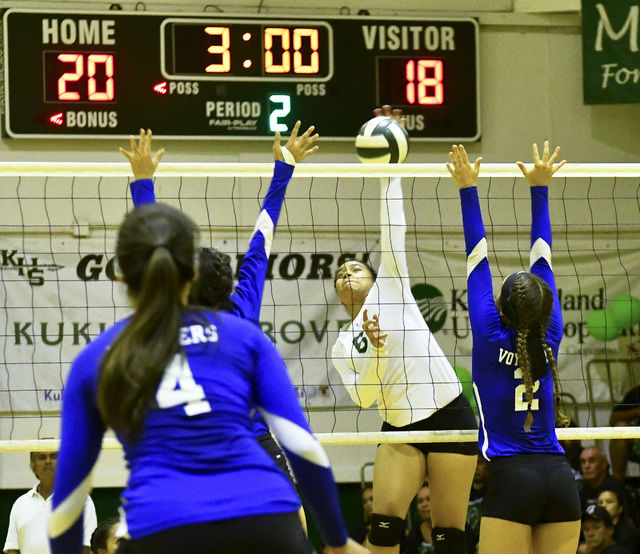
[
  {"x": 448, "y": 540},
  {"x": 386, "y": 530}
]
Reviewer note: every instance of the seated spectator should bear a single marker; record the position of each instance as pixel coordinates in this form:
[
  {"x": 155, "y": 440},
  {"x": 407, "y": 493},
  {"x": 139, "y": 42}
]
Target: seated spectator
[
  {"x": 103, "y": 540},
  {"x": 622, "y": 451},
  {"x": 572, "y": 449},
  {"x": 597, "y": 528},
  {"x": 419, "y": 540},
  {"x": 29, "y": 518},
  {"x": 595, "y": 471},
  {"x": 360, "y": 532},
  {"x": 625, "y": 533}
]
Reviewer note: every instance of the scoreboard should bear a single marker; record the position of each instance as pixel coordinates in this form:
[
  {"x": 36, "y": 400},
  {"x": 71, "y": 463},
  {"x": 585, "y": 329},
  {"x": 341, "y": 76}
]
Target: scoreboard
[{"x": 88, "y": 74}]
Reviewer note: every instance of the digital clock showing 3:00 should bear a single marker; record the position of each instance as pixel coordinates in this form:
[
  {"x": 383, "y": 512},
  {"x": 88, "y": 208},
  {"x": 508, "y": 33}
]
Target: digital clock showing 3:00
[{"x": 106, "y": 74}]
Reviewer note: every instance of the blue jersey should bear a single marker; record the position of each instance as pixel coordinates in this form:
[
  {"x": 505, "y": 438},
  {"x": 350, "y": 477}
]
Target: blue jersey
[
  {"x": 197, "y": 459},
  {"x": 497, "y": 381},
  {"x": 247, "y": 295}
]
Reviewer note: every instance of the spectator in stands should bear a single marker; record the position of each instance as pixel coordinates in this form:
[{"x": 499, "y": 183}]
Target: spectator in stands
[
  {"x": 360, "y": 533},
  {"x": 625, "y": 414},
  {"x": 572, "y": 450},
  {"x": 595, "y": 470},
  {"x": 625, "y": 533},
  {"x": 28, "y": 532},
  {"x": 597, "y": 528},
  {"x": 419, "y": 540},
  {"x": 103, "y": 540}
]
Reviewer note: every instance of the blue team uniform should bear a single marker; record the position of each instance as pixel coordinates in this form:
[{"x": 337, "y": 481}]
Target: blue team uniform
[
  {"x": 247, "y": 295},
  {"x": 497, "y": 384},
  {"x": 197, "y": 459}
]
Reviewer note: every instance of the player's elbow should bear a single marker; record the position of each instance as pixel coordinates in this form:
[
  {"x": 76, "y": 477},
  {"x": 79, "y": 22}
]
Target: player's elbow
[{"x": 363, "y": 395}]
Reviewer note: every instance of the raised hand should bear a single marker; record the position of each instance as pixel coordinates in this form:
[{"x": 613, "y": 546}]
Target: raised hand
[
  {"x": 300, "y": 147},
  {"x": 372, "y": 328},
  {"x": 543, "y": 169},
  {"x": 142, "y": 163},
  {"x": 388, "y": 111},
  {"x": 460, "y": 168}
]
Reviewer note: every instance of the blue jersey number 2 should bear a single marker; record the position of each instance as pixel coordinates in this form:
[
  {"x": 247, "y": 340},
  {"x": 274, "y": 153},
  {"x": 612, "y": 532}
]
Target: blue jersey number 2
[{"x": 521, "y": 391}]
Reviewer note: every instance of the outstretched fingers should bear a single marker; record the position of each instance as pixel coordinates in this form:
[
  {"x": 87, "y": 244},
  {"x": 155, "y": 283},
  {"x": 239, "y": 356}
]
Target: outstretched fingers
[
  {"x": 294, "y": 131},
  {"x": 523, "y": 168},
  {"x": 558, "y": 166},
  {"x": 127, "y": 154},
  {"x": 460, "y": 157},
  {"x": 545, "y": 152},
  {"x": 303, "y": 145},
  {"x": 536, "y": 155},
  {"x": 476, "y": 165},
  {"x": 158, "y": 156},
  {"x": 388, "y": 111},
  {"x": 450, "y": 168},
  {"x": 305, "y": 139}
]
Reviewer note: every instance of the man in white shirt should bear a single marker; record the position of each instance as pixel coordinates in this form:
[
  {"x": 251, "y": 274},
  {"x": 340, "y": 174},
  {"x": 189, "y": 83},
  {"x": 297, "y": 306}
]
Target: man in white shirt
[{"x": 29, "y": 519}]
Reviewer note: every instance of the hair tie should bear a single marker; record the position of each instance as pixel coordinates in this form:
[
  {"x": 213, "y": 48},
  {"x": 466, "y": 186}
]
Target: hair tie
[{"x": 161, "y": 245}]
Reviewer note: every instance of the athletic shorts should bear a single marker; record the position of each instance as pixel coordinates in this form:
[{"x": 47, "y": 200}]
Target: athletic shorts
[
  {"x": 458, "y": 414},
  {"x": 271, "y": 447},
  {"x": 530, "y": 489},
  {"x": 264, "y": 534}
]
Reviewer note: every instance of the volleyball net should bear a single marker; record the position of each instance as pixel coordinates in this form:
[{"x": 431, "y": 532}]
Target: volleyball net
[{"x": 59, "y": 223}]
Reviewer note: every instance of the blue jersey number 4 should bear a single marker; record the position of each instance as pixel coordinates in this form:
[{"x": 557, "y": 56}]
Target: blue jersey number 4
[{"x": 179, "y": 387}]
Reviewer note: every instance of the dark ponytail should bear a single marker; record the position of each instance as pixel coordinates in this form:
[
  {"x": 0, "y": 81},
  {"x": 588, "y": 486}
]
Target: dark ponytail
[
  {"x": 527, "y": 302},
  {"x": 155, "y": 249}
]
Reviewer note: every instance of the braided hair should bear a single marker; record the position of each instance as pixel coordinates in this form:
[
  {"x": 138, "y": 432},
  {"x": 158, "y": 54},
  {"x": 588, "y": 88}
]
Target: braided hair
[
  {"x": 526, "y": 302},
  {"x": 213, "y": 283}
]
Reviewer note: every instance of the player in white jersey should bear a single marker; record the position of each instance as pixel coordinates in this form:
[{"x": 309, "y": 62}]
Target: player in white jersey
[{"x": 388, "y": 355}]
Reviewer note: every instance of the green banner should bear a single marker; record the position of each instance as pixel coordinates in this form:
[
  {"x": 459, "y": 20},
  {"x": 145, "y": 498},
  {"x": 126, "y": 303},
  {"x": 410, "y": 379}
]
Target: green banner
[{"x": 611, "y": 58}]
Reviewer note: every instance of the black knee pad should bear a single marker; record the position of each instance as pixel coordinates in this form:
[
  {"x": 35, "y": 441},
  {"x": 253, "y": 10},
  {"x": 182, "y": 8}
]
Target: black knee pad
[
  {"x": 448, "y": 540},
  {"x": 386, "y": 530}
]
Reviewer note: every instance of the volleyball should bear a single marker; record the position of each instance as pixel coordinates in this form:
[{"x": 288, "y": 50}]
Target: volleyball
[{"x": 382, "y": 140}]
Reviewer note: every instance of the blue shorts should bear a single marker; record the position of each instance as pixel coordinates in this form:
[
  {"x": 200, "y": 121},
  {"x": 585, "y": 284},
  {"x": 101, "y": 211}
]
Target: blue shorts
[
  {"x": 266, "y": 534},
  {"x": 530, "y": 489}
]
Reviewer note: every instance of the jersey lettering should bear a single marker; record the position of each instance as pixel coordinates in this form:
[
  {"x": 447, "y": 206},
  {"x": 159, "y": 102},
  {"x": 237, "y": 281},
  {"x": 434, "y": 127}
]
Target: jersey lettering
[
  {"x": 508, "y": 357},
  {"x": 197, "y": 334}
]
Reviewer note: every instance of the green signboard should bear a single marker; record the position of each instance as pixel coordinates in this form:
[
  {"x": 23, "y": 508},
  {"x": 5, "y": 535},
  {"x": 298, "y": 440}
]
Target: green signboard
[{"x": 610, "y": 48}]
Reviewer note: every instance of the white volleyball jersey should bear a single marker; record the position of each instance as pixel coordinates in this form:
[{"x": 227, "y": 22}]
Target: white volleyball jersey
[{"x": 410, "y": 377}]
